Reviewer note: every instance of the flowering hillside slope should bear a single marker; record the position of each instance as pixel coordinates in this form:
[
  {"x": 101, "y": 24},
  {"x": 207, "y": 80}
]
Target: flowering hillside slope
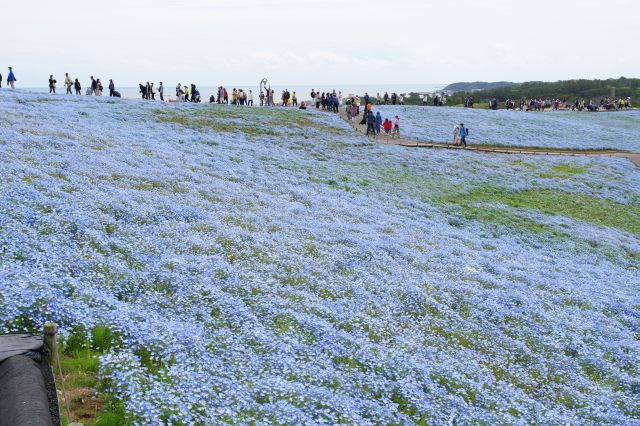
[
  {"x": 568, "y": 130},
  {"x": 271, "y": 266}
]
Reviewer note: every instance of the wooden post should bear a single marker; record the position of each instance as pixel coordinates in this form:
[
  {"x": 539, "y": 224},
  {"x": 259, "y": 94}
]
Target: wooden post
[{"x": 50, "y": 341}]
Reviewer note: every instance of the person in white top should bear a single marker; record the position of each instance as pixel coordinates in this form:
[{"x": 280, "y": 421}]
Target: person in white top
[
  {"x": 250, "y": 98},
  {"x": 68, "y": 82},
  {"x": 396, "y": 128}
]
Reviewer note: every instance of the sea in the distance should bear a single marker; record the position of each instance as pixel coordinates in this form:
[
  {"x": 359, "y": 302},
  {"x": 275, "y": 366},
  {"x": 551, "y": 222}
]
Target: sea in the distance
[{"x": 303, "y": 91}]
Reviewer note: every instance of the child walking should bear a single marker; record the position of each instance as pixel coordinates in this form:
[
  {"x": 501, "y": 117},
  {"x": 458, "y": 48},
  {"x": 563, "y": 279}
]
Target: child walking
[{"x": 396, "y": 128}]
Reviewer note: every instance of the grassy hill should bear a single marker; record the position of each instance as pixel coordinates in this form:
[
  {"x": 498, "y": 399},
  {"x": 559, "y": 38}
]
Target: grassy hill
[{"x": 214, "y": 264}]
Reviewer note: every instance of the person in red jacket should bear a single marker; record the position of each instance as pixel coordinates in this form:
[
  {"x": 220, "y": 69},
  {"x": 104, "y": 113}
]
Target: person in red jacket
[{"x": 387, "y": 126}]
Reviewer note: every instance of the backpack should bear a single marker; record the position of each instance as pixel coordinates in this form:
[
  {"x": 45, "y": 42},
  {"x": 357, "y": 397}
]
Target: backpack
[{"x": 116, "y": 94}]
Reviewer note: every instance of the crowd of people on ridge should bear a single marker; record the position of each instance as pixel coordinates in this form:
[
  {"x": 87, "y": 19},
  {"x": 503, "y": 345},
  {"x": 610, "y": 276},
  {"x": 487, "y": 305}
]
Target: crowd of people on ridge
[
  {"x": 95, "y": 86},
  {"x": 546, "y": 104}
]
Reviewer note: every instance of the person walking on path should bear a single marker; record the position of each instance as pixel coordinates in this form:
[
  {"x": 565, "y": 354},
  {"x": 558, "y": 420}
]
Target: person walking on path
[
  {"x": 463, "y": 133},
  {"x": 250, "y": 98},
  {"x": 112, "y": 88},
  {"x": 52, "y": 84},
  {"x": 161, "y": 91},
  {"x": 11, "y": 79},
  {"x": 371, "y": 123},
  {"x": 68, "y": 83},
  {"x": 456, "y": 131},
  {"x": 354, "y": 109},
  {"x": 396, "y": 128},
  {"x": 378, "y": 122},
  {"x": 78, "y": 87}
]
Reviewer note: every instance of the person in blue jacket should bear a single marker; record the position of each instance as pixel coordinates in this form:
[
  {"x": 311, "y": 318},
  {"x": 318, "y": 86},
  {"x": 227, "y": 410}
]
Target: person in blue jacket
[
  {"x": 378, "y": 122},
  {"x": 462, "y": 134},
  {"x": 11, "y": 79}
]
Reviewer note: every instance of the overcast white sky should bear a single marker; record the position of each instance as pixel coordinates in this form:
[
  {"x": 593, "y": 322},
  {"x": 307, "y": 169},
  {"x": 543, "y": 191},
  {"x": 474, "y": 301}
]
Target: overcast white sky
[{"x": 213, "y": 42}]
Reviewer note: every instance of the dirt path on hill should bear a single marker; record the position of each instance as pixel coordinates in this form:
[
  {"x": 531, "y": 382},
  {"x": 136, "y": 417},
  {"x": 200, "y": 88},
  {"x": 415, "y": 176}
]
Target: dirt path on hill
[{"x": 414, "y": 143}]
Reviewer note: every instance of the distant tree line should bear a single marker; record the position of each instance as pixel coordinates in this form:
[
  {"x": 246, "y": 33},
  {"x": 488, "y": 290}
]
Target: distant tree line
[
  {"x": 476, "y": 85},
  {"x": 567, "y": 89}
]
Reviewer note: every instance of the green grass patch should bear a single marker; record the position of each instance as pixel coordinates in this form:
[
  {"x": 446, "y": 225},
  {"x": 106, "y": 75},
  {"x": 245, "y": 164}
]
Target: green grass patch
[
  {"x": 570, "y": 168},
  {"x": 501, "y": 217},
  {"x": 250, "y": 121},
  {"x": 79, "y": 358},
  {"x": 599, "y": 211},
  {"x": 483, "y": 204}
]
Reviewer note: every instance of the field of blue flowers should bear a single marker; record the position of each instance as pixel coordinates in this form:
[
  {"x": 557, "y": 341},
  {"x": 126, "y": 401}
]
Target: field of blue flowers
[
  {"x": 270, "y": 266},
  {"x": 572, "y": 130}
]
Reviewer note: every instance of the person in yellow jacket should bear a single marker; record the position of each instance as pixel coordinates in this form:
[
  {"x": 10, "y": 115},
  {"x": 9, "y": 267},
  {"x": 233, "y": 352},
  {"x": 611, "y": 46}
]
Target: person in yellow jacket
[
  {"x": 186, "y": 93},
  {"x": 234, "y": 96}
]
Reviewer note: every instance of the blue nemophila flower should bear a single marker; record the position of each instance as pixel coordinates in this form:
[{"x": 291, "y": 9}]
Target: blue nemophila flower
[{"x": 282, "y": 273}]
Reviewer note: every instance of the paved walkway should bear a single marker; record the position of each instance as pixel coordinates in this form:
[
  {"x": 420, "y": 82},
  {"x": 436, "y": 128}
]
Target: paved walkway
[{"x": 413, "y": 143}]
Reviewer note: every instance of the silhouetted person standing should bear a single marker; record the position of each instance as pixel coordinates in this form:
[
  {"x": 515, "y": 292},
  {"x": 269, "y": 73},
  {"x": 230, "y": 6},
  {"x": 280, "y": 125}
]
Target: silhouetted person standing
[
  {"x": 11, "y": 79},
  {"x": 94, "y": 86},
  {"x": 52, "y": 84}
]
